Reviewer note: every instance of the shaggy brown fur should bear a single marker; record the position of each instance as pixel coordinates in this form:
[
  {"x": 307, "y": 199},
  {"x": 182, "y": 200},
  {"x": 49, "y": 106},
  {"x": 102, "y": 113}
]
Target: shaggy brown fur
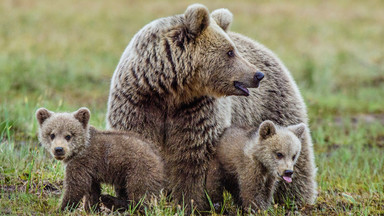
[
  {"x": 164, "y": 88},
  {"x": 168, "y": 86},
  {"x": 92, "y": 157},
  {"x": 278, "y": 99},
  {"x": 250, "y": 163}
]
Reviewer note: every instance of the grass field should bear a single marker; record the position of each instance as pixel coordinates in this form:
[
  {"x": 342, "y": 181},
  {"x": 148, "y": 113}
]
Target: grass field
[{"x": 61, "y": 55}]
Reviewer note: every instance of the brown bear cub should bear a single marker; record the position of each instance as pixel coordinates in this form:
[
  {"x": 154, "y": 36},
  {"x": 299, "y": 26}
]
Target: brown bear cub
[
  {"x": 249, "y": 163},
  {"x": 92, "y": 157}
]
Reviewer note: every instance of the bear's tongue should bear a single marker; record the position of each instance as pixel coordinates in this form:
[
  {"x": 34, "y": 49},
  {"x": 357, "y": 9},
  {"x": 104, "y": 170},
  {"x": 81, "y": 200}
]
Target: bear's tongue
[
  {"x": 287, "y": 179},
  {"x": 241, "y": 87}
]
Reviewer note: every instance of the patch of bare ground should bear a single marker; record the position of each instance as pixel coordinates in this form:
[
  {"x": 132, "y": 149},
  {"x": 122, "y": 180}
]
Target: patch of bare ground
[
  {"x": 375, "y": 141},
  {"x": 336, "y": 202},
  {"x": 365, "y": 118},
  {"x": 42, "y": 188}
]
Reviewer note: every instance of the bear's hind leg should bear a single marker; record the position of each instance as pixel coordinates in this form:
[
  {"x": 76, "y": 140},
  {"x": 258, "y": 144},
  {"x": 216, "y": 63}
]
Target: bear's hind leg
[{"x": 121, "y": 192}]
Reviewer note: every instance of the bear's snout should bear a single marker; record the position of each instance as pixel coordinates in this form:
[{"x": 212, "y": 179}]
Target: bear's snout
[
  {"x": 258, "y": 77},
  {"x": 59, "y": 151},
  {"x": 288, "y": 173}
]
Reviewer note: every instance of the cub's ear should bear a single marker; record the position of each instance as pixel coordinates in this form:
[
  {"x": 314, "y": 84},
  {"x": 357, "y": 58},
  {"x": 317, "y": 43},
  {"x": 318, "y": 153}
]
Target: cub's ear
[
  {"x": 223, "y": 17},
  {"x": 83, "y": 115},
  {"x": 298, "y": 130},
  {"x": 267, "y": 129},
  {"x": 196, "y": 19},
  {"x": 43, "y": 114}
]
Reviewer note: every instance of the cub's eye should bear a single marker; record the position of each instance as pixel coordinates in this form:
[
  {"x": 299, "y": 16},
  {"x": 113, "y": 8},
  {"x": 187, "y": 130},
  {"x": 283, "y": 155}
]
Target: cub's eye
[
  {"x": 231, "y": 53},
  {"x": 294, "y": 156},
  {"x": 52, "y": 136},
  {"x": 279, "y": 155},
  {"x": 68, "y": 137}
]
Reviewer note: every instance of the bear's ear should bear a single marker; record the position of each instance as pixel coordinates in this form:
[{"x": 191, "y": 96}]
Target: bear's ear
[
  {"x": 83, "y": 115},
  {"x": 267, "y": 129},
  {"x": 223, "y": 17},
  {"x": 197, "y": 19},
  {"x": 43, "y": 114},
  {"x": 298, "y": 130}
]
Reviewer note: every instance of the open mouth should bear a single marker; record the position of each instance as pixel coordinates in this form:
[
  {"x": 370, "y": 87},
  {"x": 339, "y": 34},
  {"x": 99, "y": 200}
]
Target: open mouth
[
  {"x": 287, "y": 178},
  {"x": 59, "y": 157},
  {"x": 241, "y": 87}
]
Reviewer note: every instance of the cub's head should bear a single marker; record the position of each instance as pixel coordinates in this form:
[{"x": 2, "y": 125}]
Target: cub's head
[
  {"x": 189, "y": 55},
  {"x": 63, "y": 134},
  {"x": 278, "y": 148}
]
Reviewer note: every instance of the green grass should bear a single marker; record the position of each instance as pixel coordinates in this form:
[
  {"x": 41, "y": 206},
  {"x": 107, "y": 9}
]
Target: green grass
[{"x": 61, "y": 55}]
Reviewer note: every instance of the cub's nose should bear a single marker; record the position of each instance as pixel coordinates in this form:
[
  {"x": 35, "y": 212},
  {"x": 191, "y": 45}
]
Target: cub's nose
[
  {"x": 258, "y": 77},
  {"x": 59, "y": 151},
  {"x": 288, "y": 173}
]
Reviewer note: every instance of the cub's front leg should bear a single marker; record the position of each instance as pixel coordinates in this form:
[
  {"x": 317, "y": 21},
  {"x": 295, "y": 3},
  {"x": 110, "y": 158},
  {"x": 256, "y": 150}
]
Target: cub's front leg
[
  {"x": 77, "y": 184},
  {"x": 91, "y": 201},
  {"x": 214, "y": 184},
  {"x": 256, "y": 191}
]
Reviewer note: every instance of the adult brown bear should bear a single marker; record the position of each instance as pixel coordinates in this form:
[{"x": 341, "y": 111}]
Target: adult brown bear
[{"x": 170, "y": 85}]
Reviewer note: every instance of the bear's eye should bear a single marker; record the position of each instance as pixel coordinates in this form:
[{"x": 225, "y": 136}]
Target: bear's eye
[
  {"x": 279, "y": 155},
  {"x": 68, "y": 137},
  {"x": 52, "y": 136},
  {"x": 294, "y": 156},
  {"x": 231, "y": 53}
]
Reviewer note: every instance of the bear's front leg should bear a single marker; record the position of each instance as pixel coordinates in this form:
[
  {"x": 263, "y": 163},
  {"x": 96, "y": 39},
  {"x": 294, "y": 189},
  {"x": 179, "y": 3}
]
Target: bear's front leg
[
  {"x": 303, "y": 188},
  {"x": 186, "y": 175},
  {"x": 191, "y": 134},
  {"x": 72, "y": 197},
  {"x": 77, "y": 184},
  {"x": 91, "y": 201},
  {"x": 70, "y": 202},
  {"x": 256, "y": 188}
]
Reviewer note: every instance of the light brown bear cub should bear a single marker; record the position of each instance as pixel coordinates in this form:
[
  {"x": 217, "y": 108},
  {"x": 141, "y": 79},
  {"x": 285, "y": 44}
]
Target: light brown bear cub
[
  {"x": 92, "y": 157},
  {"x": 250, "y": 163}
]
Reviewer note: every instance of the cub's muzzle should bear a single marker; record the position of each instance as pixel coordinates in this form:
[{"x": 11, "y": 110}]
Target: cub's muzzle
[
  {"x": 59, "y": 152},
  {"x": 288, "y": 175}
]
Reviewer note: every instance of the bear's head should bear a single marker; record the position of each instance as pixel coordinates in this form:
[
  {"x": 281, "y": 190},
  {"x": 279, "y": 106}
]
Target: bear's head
[
  {"x": 186, "y": 56},
  {"x": 63, "y": 134},
  {"x": 278, "y": 148}
]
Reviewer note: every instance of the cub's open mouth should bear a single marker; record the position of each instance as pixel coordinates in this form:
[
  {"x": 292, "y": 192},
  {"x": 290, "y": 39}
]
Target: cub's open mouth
[
  {"x": 287, "y": 178},
  {"x": 59, "y": 157},
  {"x": 240, "y": 86}
]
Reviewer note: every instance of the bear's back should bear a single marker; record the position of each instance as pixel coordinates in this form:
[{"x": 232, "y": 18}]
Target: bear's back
[{"x": 277, "y": 99}]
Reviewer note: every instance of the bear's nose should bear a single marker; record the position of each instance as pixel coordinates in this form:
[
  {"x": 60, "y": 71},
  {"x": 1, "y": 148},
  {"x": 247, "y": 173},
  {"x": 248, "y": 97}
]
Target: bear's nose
[
  {"x": 59, "y": 151},
  {"x": 259, "y": 76},
  {"x": 288, "y": 173}
]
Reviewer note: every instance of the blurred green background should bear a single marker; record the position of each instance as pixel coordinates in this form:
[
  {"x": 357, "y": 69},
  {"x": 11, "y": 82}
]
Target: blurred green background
[{"x": 61, "y": 55}]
